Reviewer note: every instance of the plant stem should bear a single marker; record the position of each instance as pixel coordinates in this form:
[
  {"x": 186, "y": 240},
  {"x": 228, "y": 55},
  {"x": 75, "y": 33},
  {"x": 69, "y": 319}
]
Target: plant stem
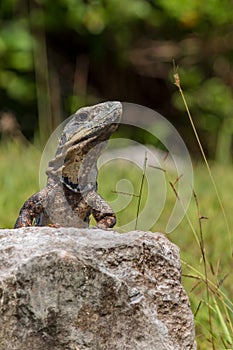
[
  {"x": 177, "y": 83},
  {"x": 140, "y": 191}
]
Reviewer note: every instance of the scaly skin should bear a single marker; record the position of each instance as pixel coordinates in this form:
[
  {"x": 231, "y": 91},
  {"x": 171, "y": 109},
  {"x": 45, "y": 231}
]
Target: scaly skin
[{"x": 70, "y": 195}]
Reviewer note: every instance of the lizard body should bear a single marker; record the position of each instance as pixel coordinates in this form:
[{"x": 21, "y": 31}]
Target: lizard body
[{"x": 70, "y": 195}]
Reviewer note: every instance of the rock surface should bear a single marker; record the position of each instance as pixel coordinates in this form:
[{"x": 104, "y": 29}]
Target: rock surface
[{"x": 91, "y": 289}]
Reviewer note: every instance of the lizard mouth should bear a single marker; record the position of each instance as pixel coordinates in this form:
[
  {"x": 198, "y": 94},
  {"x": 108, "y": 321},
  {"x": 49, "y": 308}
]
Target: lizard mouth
[{"x": 102, "y": 134}]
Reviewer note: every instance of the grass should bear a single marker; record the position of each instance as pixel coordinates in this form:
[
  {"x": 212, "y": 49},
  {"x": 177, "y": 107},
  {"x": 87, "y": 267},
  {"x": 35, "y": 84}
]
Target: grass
[
  {"x": 19, "y": 179},
  {"x": 215, "y": 295}
]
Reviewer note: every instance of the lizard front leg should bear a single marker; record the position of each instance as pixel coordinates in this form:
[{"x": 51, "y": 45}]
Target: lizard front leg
[
  {"x": 31, "y": 209},
  {"x": 101, "y": 210}
]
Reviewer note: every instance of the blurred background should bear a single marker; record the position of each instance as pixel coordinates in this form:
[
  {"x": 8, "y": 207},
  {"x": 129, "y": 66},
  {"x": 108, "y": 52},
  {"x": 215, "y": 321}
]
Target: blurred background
[
  {"x": 56, "y": 56},
  {"x": 59, "y": 55}
]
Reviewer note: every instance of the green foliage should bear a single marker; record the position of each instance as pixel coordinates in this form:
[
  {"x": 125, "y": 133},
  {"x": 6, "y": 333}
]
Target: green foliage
[
  {"x": 200, "y": 34},
  {"x": 18, "y": 179},
  {"x": 16, "y": 60},
  {"x": 190, "y": 13},
  {"x": 212, "y": 104}
]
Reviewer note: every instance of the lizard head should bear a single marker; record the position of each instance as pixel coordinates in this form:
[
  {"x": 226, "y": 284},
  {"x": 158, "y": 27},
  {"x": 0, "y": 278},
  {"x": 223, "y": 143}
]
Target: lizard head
[
  {"x": 88, "y": 123},
  {"x": 82, "y": 141}
]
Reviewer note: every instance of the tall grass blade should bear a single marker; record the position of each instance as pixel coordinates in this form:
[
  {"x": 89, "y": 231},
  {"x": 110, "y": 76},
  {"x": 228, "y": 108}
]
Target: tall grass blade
[
  {"x": 177, "y": 83},
  {"x": 227, "y": 334},
  {"x": 140, "y": 191}
]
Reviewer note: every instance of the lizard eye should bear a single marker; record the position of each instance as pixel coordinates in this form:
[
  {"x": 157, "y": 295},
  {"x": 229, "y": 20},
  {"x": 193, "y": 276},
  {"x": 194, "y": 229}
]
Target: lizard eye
[{"x": 82, "y": 116}]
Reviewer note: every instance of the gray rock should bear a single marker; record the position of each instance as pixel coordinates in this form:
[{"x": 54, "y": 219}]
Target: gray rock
[{"x": 91, "y": 289}]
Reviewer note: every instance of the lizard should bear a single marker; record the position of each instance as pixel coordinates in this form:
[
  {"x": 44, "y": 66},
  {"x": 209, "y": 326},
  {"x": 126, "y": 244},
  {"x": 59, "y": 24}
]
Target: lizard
[{"x": 70, "y": 195}]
